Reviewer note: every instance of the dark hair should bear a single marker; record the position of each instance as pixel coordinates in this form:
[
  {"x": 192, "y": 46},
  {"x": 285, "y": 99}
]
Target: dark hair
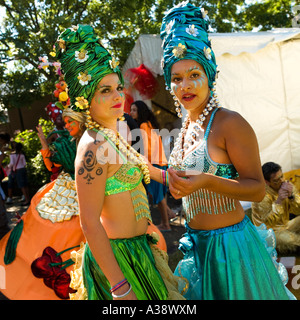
[
  {"x": 145, "y": 114},
  {"x": 5, "y": 136},
  {"x": 269, "y": 168},
  {"x": 18, "y": 147}
]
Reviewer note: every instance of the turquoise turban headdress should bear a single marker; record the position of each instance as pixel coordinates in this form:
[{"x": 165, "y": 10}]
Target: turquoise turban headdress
[
  {"x": 184, "y": 32},
  {"x": 84, "y": 62}
]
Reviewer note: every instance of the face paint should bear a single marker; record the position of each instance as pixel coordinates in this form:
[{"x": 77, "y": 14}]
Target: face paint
[
  {"x": 193, "y": 68},
  {"x": 101, "y": 100},
  {"x": 174, "y": 87},
  {"x": 72, "y": 126},
  {"x": 201, "y": 80}
]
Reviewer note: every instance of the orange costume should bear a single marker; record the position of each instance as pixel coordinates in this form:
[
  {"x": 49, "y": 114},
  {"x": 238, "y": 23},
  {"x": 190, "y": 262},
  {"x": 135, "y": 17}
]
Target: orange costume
[{"x": 51, "y": 221}]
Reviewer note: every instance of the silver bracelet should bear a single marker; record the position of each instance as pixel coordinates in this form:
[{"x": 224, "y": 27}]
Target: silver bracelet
[{"x": 122, "y": 295}]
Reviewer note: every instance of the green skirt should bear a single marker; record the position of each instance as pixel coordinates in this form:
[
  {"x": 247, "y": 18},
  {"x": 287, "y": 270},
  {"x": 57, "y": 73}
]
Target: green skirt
[{"x": 137, "y": 263}]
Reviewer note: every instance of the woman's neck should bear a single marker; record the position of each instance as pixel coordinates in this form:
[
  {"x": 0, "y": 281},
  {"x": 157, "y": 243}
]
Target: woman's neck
[
  {"x": 109, "y": 124},
  {"x": 194, "y": 114}
]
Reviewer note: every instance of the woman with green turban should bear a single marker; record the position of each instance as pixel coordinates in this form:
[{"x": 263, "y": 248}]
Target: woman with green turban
[
  {"x": 214, "y": 164},
  {"x": 119, "y": 260},
  {"x": 48, "y": 229}
]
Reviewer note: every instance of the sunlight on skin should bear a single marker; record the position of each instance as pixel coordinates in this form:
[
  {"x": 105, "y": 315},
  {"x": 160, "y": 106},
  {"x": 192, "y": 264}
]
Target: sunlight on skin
[{"x": 198, "y": 82}]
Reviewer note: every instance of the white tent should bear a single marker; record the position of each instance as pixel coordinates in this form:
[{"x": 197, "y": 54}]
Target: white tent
[{"x": 259, "y": 78}]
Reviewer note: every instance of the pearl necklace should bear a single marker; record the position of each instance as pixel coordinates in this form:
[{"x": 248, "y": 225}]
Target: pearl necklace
[
  {"x": 178, "y": 151},
  {"x": 121, "y": 144}
]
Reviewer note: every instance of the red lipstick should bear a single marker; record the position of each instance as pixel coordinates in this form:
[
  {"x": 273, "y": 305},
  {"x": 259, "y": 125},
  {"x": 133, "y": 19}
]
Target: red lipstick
[
  {"x": 117, "y": 106},
  {"x": 188, "y": 97}
]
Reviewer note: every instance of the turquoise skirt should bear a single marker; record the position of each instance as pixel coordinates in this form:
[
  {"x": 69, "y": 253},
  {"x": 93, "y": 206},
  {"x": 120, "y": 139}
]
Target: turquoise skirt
[{"x": 232, "y": 263}]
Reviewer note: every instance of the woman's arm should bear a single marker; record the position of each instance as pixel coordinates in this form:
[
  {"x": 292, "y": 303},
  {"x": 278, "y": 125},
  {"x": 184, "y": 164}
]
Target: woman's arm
[
  {"x": 42, "y": 137},
  {"x": 241, "y": 146},
  {"x": 90, "y": 177}
]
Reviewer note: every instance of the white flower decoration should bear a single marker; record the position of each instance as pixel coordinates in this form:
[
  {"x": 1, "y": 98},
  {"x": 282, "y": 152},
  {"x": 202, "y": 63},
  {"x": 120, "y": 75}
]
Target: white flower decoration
[
  {"x": 74, "y": 28},
  {"x": 179, "y": 51},
  {"x": 192, "y": 30},
  {"x": 169, "y": 26},
  {"x": 207, "y": 53},
  {"x": 204, "y": 14},
  {"x": 113, "y": 64},
  {"x": 84, "y": 78},
  {"x": 81, "y": 56}
]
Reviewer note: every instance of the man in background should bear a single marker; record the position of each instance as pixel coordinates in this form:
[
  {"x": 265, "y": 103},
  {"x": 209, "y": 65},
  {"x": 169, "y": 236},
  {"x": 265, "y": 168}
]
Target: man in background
[{"x": 281, "y": 202}]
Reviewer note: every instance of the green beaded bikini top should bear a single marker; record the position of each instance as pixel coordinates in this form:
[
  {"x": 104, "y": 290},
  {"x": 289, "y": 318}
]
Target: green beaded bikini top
[{"x": 128, "y": 178}]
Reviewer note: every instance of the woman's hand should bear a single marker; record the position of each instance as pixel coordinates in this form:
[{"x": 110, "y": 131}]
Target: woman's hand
[
  {"x": 42, "y": 137},
  {"x": 182, "y": 184}
]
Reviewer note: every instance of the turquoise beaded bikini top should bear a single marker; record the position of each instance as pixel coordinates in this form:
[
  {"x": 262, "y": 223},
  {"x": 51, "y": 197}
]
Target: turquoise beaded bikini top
[
  {"x": 203, "y": 200},
  {"x": 199, "y": 159}
]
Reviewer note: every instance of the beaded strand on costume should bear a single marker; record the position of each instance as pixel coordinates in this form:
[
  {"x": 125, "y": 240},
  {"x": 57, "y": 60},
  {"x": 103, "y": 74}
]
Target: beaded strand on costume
[
  {"x": 177, "y": 154},
  {"x": 121, "y": 144}
]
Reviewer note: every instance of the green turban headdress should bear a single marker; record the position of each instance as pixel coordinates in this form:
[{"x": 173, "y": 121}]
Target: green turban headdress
[
  {"x": 184, "y": 34},
  {"x": 84, "y": 62}
]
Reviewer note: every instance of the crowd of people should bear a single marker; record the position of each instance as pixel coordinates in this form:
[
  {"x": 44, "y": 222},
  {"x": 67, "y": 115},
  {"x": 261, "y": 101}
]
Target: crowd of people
[{"x": 88, "y": 234}]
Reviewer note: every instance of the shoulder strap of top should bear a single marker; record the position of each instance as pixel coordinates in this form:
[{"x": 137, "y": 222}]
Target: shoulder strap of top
[
  {"x": 210, "y": 123},
  {"x": 111, "y": 143}
]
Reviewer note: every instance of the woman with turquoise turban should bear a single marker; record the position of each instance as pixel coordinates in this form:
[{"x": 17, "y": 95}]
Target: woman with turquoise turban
[
  {"x": 214, "y": 164},
  {"x": 120, "y": 260}
]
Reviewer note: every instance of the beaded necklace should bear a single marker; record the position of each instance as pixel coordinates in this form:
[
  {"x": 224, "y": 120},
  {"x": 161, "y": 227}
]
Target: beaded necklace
[
  {"x": 182, "y": 144},
  {"x": 121, "y": 144},
  {"x": 201, "y": 200}
]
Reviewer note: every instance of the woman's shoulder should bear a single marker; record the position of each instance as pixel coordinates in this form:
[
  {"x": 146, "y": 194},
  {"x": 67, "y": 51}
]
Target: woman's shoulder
[
  {"x": 89, "y": 141},
  {"x": 230, "y": 117},
  {"x": 96, "y": 144},
  {"x": 146, "y": 125},
  {"x": 232, "y": 122}
]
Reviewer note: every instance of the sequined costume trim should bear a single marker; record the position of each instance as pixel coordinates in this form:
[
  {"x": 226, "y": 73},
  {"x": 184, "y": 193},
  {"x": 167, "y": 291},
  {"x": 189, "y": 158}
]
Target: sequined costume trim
[
  {"x": 203, "y": 200},
  {"x": 60, "y": 203}
]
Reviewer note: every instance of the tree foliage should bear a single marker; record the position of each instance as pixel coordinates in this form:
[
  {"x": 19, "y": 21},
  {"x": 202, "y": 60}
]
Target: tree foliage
[
  {"x": 37, "y": 172},
  {"x": 30, "y": 28}
]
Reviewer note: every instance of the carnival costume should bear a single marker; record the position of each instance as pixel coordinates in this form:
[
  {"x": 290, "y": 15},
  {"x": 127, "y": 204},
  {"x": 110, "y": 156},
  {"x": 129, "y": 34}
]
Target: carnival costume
[
  {"x": 277, "y": 217},
  {"x": 231, "y": 262},
  {"x": 53, "y": 112},
  {"x": 84, "y": 62},
  {"x": 36, "y": 253},
  {"x": 156, "y": 156}
]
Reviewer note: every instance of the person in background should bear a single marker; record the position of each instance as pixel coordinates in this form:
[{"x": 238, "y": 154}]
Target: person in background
[
  {"x": 154, "y": 152},
  {"x": 133, "y": 133},
  {"x": 59, "y": 131},
  {"x": 48, "y": 230},
  {"x": 4, "y": 153},
  {"x": 18, "y": 172},
  {"x": 282, "y": 200}
]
